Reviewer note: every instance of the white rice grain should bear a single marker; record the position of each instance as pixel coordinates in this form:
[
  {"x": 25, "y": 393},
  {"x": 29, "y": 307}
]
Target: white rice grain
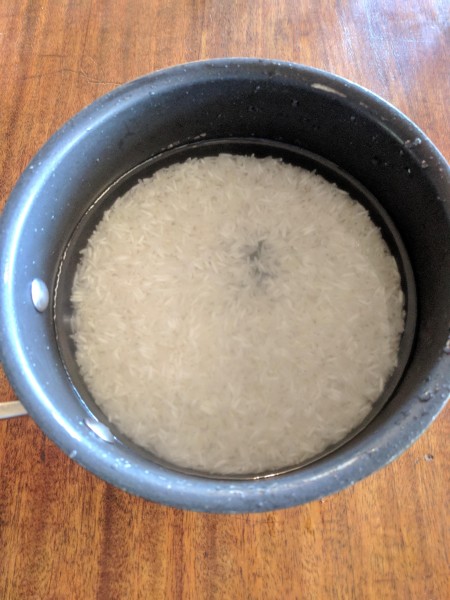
[{"x": 236, "y": 315}]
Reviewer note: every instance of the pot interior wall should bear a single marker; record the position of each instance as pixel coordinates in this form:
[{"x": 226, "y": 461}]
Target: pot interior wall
[{"x": 259, "y": 148}]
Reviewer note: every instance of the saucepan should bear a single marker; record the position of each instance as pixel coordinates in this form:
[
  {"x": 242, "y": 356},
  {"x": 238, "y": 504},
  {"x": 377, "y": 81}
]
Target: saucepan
[{"x": 262, "y": 107}]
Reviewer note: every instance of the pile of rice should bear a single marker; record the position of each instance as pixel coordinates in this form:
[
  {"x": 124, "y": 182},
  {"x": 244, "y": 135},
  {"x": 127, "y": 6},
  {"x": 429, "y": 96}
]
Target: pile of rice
[{"x": 236, "y": 315}]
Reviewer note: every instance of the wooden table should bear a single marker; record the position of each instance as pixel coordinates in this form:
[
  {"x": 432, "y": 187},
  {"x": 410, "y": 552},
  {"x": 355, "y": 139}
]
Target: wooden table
[{"x": 64, "y": 533}]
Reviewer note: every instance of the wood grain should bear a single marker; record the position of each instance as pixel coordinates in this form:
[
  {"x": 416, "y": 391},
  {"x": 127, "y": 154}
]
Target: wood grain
[{"x": 64, "y": 533}]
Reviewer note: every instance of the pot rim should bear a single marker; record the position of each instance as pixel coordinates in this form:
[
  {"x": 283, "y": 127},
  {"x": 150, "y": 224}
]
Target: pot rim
[{"x": 154, "y": 482}]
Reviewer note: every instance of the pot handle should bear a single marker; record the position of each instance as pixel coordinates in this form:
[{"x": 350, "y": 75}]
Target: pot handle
[{"x": 11, "y": 409}]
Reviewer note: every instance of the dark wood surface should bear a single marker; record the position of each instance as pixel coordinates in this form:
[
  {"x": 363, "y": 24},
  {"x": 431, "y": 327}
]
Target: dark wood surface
[{"x": 64, "y": 533}]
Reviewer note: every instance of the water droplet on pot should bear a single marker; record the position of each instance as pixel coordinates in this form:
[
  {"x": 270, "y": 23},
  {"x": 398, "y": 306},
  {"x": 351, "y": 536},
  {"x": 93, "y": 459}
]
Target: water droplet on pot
[
  {"x": 412, "y": 143},
  {"x": 100, "y": 430},
  {"x": 425, "y": 397},
  {"x": 39, "y": 294}
]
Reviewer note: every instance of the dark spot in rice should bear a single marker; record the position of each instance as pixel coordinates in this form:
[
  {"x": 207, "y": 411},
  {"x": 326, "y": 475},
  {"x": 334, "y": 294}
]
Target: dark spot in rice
[
  {"x": 260, "y": 261},
  {"x": 256, "y": 254}
]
